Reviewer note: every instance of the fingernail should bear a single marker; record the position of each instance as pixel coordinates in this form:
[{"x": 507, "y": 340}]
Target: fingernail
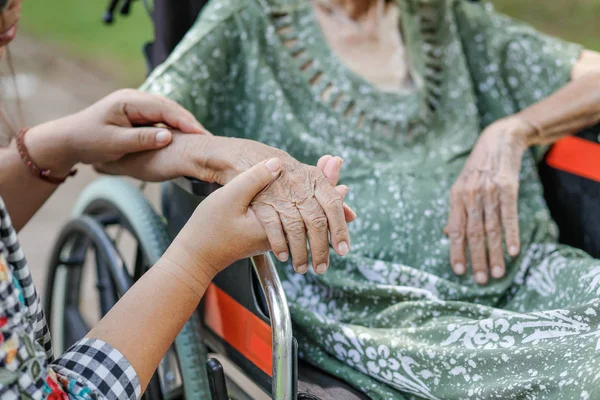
[
  {"x": 302, "y": 269},
  {"x": 340, "y": 161},
  {"x": 321, "y": 268},
  {"x": 481, "y": 277},
  {"x": 459, "y": 269},
  {"x": 343, "y": 249},
  {"x": 273, "y": 164},
  {"x": 283, "y": 256},
  {"x": 497, "y": 272},
  {"x": 163, "y": 137},
  {"x": 513, "y": 251}
]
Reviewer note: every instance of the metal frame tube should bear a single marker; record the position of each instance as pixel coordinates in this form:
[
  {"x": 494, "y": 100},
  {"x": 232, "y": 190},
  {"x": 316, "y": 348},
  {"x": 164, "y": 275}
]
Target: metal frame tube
[{"x": 281, "y": 327}]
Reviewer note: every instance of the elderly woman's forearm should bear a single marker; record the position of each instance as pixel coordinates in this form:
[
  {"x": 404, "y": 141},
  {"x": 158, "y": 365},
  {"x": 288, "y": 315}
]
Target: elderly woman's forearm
[{"x": 569, "y": 110}]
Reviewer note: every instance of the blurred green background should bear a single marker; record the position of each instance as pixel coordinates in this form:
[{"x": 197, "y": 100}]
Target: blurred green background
[{"x": 75, "y": 26}]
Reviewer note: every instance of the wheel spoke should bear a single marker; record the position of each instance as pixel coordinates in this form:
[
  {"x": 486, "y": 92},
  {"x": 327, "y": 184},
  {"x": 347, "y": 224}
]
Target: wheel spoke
[
  {"x": 72, "y": 262},
  {"x": 140, "y": 263},
  {"x": 75, "y": 326},
  {"x": 108, "y": 218},
  {"x": 105, "y": 285}
]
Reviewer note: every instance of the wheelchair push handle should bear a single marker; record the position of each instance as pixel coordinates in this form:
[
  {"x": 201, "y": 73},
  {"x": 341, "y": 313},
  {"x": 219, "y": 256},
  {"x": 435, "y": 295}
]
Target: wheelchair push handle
[{"x": 109, "y": 15}]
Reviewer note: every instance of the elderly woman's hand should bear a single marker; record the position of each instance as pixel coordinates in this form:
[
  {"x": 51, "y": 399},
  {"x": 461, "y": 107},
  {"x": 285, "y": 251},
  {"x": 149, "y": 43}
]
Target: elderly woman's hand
[
  {"x": 483, "y": 201},
  {"x": 302, "y": 202}
]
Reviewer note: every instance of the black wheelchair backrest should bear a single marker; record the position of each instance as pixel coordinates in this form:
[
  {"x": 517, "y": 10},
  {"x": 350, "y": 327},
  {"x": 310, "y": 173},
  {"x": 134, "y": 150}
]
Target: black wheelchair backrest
[{"x": 172, "y": 19}]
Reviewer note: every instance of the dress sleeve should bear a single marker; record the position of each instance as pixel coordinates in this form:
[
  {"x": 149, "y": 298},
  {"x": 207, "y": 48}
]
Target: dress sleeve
[
  {"x": 202, "y": 63},
  {"x": 91, "y": 369},
  {"x": 530, "y": 65}
]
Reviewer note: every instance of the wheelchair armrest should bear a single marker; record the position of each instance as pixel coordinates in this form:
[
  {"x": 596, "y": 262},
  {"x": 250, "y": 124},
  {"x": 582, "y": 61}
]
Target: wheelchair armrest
[
  {"x": 570, "y": 173},
  {"x": 196, "y": 187}
]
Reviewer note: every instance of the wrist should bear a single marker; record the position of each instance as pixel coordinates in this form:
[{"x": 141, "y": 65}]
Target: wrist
[
  {"x": 210, "y": 159},
  {"x": 184, "y": 273},
  {"x": 248, "y": 153},
  {"x": 195, "y": 253},
  {"x": 49, "y": 148},
  {"x": 523, "y": 131}
]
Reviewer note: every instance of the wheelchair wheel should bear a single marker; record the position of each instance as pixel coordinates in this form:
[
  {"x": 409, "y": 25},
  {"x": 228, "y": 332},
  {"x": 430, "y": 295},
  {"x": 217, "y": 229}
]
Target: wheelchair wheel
[{"x": 114, "y": 237}]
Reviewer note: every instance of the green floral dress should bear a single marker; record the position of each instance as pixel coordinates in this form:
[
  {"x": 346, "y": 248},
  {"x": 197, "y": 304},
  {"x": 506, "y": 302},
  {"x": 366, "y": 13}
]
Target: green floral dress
[{"x": 391, "y": 318}]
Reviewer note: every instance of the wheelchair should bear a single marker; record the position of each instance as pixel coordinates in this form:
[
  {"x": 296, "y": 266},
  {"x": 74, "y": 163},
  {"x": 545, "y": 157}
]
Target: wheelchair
[{"x": 115, "y": 235}]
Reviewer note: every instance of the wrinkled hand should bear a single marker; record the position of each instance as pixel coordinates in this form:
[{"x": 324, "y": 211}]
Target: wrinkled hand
[
  {"x": 231, "y": 230},
  {"x": 483, "y": 200},
  {"x": 303, "y": 202},
  {"x": 121, "y": 123}
]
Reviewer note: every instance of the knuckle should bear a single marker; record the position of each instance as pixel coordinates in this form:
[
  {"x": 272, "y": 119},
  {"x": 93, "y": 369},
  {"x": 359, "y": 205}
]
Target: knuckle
[
  {"x": 506, "y": 185},
  {"x": 120, "y": 97},
  {"x": 278, "y": 243},
  {"x": 144, "y": 139},
  {"x": 295, "y": 228},
  {"x": 475, "y": 234},
  {"x": 339, "y": 232},
  {"x": 319, "y": 223},
  {"x": 270, "y": 222},
  {"x": 472, "y": 190},
  {"x": 319, "y": 253},
  {"x": 457, "y": 237},
  {"x": 490, "y": 189},
  {"x": 510, "y": 222},
  {"x": 314, "y": 172},
  {"x": 493, "y": 232},
  {"x": 334, "y": 202}
]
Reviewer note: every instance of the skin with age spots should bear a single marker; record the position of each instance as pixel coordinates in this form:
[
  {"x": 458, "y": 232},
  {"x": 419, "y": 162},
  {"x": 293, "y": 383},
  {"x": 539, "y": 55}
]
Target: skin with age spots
[{"x": 483, "y": 201}]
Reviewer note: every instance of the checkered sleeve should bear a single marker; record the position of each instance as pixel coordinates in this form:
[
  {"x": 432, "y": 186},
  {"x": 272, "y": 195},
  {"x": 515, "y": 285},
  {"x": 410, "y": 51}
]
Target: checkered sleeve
[{"x": 101, "y": 368}]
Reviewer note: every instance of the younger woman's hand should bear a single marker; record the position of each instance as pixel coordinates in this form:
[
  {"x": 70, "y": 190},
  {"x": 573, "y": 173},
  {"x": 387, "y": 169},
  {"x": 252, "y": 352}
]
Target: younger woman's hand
[
  {"x": 123, "y": 122},
  {"x": 483, "y": 200},
  {"x": 224, "y": 228}
]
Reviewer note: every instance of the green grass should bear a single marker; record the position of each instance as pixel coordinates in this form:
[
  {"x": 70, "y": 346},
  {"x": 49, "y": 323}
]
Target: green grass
[
  {"x": 75, "y": 25},
  {"x": 573, "y": 20}
]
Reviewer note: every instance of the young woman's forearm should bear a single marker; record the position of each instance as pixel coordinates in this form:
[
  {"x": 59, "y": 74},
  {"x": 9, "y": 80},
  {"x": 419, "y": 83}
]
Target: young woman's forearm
[
  {"x": 22, "y": 192},
  {"x": 569, "y": 110},
  {"x": 144, "y": 323}
]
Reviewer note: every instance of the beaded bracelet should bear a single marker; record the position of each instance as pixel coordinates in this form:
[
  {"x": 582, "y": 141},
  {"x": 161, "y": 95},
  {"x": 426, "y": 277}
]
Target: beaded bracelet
[{"x": 43, "y": 174}]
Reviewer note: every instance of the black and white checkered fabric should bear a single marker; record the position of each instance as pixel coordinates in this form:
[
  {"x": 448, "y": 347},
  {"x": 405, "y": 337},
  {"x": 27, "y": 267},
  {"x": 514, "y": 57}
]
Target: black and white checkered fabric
[
  {"x": 104, "y": 369},
  {"x": 91, "y": 369}
]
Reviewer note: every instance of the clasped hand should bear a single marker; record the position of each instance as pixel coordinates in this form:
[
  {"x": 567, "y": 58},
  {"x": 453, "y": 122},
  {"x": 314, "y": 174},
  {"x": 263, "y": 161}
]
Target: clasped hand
[{"x": 125, "y": 133}]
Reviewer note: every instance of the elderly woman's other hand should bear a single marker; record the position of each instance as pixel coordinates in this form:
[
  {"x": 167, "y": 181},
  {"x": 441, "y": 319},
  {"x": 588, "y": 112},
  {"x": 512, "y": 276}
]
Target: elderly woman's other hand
[
  {"x": 303, "y": 202},
  {"x": 483, "y": 200}
]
